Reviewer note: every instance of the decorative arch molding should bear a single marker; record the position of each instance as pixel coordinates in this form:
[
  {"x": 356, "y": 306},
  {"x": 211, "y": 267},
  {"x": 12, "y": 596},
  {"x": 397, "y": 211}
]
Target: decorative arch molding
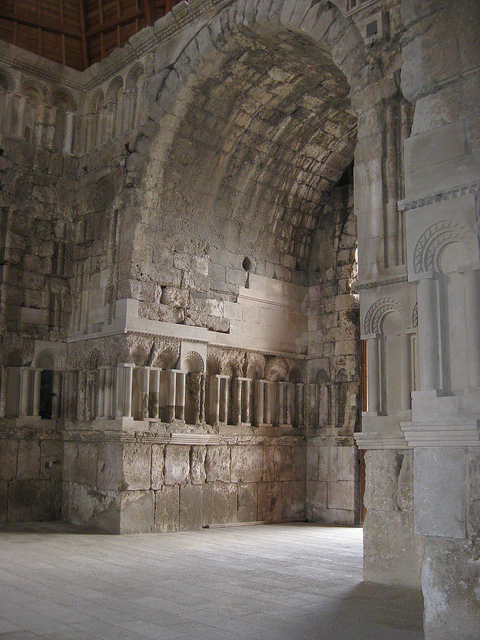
[
  {"x": 377, "y": 311},
  {"x": 7, "y": 81},
  {"x": 64, "y": 100},
  {"x": 134, "y": 75},
  {"x": 29, "y": 86},
  {"x": 96, "y": 101},
  {"x": 432, "y": 242},
  {"x": 192, "y": 362},
  {"x": 116, "y": 85}
]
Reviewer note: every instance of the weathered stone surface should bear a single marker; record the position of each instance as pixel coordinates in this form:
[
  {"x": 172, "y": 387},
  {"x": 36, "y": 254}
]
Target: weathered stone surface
[
  {"x": 33, "y": 500},
  {"x": 167, "y": 508},
  {"x": 109, "y": 466},
  {"x": 51, "y": 459},
  {"x": 270, "y": 506},
  {"x": 247, "y": 464},
  {"x": 8, "y": 454},
  {"x": 390, "y": 542},
  {"x": 137, "y": 511},
  {"x": 137, "y": 461},
  {"x": 87, "y": 464},
  {"x": 28, "y": 466},
  {"x": 177, "y": 464},
  {"x": 190, "y": 507},
  {"x": 219, "y": 503},
  {"x": 217, "y": 463},
  {"x": 158, "y": 460},
  {"x": 247, "y": 502},
  {"x": 293, "y": 497},
  {"x": 3, "y": 500},
  {"x": 197, "y": 465}
]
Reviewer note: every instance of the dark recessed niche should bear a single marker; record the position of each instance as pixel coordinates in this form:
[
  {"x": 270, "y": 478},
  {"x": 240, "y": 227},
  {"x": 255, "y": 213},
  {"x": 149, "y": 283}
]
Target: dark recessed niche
[{"x": 247, "y": 264}]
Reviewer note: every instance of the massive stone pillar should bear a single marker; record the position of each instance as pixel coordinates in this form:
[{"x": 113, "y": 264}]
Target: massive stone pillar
[{"x": 442, "y": 173}]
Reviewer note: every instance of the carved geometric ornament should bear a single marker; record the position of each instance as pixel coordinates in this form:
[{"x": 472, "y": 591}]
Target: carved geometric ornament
[
  {"x": 377, "y": 311},
  {"x": 432, "y": 241}
]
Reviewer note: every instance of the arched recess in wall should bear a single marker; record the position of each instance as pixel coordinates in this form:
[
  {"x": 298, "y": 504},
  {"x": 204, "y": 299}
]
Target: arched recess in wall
[
  {"x": 114, "y": 108},
  {"x": 95, "y": 121},
  {"x": 65, "y": 122},
  {"x": 252, "y": 154},
  {"x": 133, "y": 90}
]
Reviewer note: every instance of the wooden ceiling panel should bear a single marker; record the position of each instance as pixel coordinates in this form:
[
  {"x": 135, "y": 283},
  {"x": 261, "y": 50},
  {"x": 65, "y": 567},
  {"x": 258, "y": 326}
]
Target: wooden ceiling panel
[{"x": 76, "y": 32}]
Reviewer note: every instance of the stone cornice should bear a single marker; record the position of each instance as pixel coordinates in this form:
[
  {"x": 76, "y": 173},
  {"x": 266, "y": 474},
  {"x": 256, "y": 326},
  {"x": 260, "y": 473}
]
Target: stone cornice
[
  {"x": 381, "y": 440},
  {"x": 461, "y": 433},
  {"x": 439, "y": 196},
  {"x": 380, "y": 282}
]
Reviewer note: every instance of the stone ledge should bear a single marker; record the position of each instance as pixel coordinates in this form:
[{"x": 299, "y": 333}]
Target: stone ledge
[{"x": 453, "y": 434}]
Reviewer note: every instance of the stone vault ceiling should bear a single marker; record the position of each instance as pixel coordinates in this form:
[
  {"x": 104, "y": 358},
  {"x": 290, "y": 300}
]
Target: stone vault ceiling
[{"x": 76, "y": 33}]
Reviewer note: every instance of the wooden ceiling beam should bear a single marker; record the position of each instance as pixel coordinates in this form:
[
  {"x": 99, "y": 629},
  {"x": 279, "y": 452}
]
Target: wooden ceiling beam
[
  {"x": 109, "y": 25},
  {"x": 24, "y": 18},
  {"x": 85, "y": 58}
]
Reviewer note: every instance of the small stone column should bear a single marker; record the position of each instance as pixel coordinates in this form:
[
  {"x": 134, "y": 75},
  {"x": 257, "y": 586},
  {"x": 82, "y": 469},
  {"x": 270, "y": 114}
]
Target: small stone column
[
  {"x": 169, "y": 379},
  {"x": 101, "y": 392},
  {"x": 299, "y": 404},
  {"x": 259, "y": 401},
  {"x": 108, "y": 392},
  {"x": 236, "y": 401},
  {"x": 270, "y": 397},
  {"x": 245, "y": 385},
  {"x": 180, "y": 395},
  {"x": 36, "y": 391},
  {"x": 373, "y": 372},
  {"x": 154, "y": 400},
  {"x": 472, "y": 296},
  {"x": 124, "y": 390},
  {"x": 407, "y": 386},
  {"x": 143, "y": 392},
  {"x": 69, "y": 132},
  {"x": 428, "y": 333},
  {"x": 24, "y": 390}
]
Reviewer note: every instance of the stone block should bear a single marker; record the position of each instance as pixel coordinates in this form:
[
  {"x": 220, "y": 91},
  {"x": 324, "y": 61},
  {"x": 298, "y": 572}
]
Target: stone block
[
  {"x": 269, "y": 464},
  {"x": 87, "y": 463},
  {"x": 197, "y": 465},
  {"x": 247, "y": 463},
  {"x": 299, "y": 462},
  {"x": 190, "y": 507},
  {"x": 177, "y": 464},
  {"x": 392, "y": 552},
  {"x": 70, "y": 455},
  {"x": 440, "y": 493},
  {"x": 450, "y": 590},
  {"x": 316, "y": 499},
  {"x": 283, "y": 463},
  {"x": 137, "y": 511},
  {"x": 158, "y": 463},
  {"x": 89, "y": 506},
  {"x": 51, "y": 459},
  {"x": 109, "y": 466},
  {"x": 293, "y": 498},
  {"x": 34, "y": 500},
  {"x": 28, "y": 466},
  {"x": 219, "y": 502},
  {"x": 167, "y": 508},
  {"x": 217, "y": 463},
  {"x": 8, "y": 456},
  {"x": 270, "y": 507},
  {"x": 247, "y": 502},
  {"x": 341, "y": 495},
  {"x": 3, "y": 500},
  {"x": 137, "y": 461},
  {"x": 312, "y": 462},
  {"x": 382, "y": 469}
]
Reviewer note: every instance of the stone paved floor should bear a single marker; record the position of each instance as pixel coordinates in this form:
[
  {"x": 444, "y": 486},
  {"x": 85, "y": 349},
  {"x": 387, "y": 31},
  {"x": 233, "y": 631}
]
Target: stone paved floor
[{"x": 276, "y": 582}]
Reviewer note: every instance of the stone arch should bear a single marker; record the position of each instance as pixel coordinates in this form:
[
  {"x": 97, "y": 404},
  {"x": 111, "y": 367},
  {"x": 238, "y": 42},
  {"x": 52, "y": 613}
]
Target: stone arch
[
  {"x": 377, "y": 312},
  {"x": 193, "y": 363},
  {"x": 63, "y": 99},
  {"x": 95, "y": 120},
  {"x": 34, "y": 91},
  {"x": 276, "y": 369},
  {"x": 280, "y": 182},
  {"x": 7, "y": 81},
  {"x": 133, "y": 85},
  {"x": 434, "y": 241}
]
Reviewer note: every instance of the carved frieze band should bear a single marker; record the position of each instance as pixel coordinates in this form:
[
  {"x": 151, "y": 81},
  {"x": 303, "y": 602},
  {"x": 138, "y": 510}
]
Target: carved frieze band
[{"x": 439, "y": 196}]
